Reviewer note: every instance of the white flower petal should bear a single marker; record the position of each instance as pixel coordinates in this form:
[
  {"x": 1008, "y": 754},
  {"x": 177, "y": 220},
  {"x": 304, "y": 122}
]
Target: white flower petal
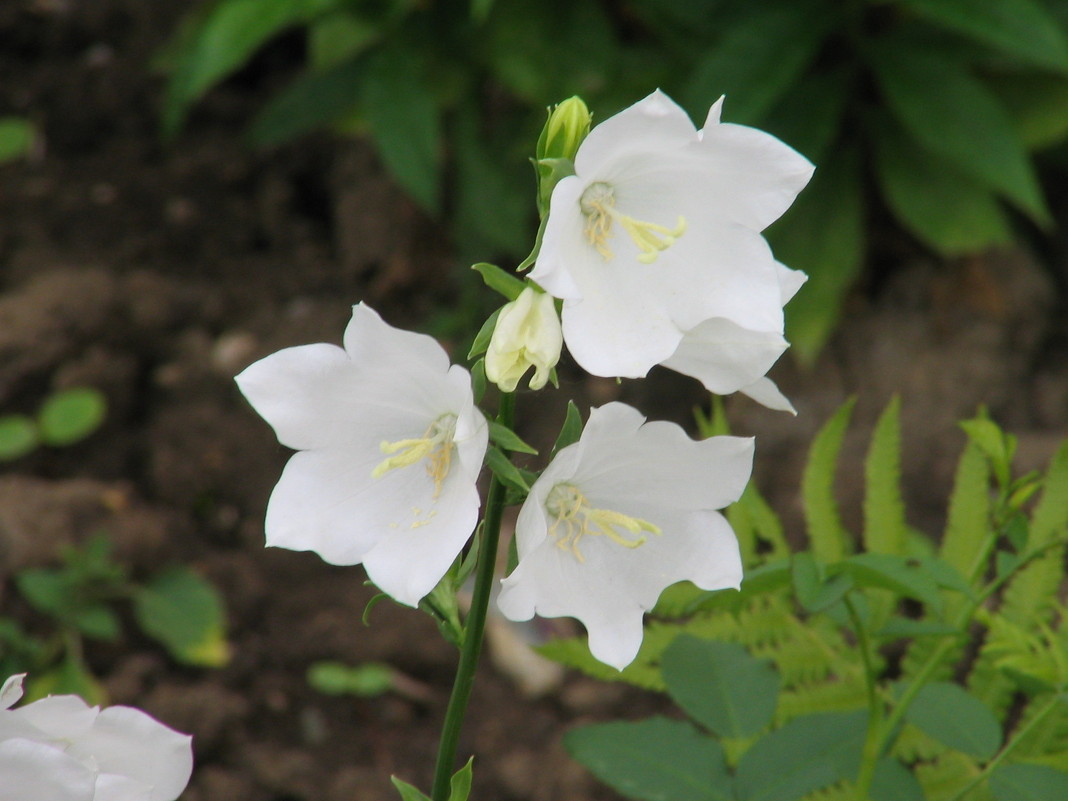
[
  {"x": 33, "y": 771},
  {"x": 725, "y": 357},
  {"x": 11, "y": 691},
  {"x": 789, "y": 281},
  {"x": 131, "y": 744},
  {"x": 59, "y": 716},
  {"x": 765, "y": 392},
  {"x": 112, "y": 787},
  {"x": 376, "y": 345},
  {"x": 653, "y": 124},
  {"x": 715, "y": 111}
]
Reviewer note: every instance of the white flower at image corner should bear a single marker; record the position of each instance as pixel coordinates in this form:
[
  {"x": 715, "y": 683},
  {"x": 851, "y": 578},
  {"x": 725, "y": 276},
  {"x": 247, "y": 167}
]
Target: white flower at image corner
[
  {"x": 527, "y": 334},
  {"x": 389, "y": 446},
  {"x": 659, "y": 232},
  {"x": 626, "y": 511},
  {"x": 61, "y": 749}
]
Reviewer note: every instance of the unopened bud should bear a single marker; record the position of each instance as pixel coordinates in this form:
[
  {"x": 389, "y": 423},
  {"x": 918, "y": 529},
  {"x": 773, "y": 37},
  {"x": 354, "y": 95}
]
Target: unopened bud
[
  {"x": 527, "y": 334},
  {"x": 567, "y": 126}
]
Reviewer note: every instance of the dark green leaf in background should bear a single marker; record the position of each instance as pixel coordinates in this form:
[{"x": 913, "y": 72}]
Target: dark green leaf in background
[
  {"x": 18, "y": 436},
  {"x": 894, "y": 782},
  {"x": 947, "y": 713},
  {"x": 16, "y": 138},
  {"x": 1021, "y": 782},
  {"x": 184, "y": 612},
  {"x": 720, "y": 685},
  {"x": 71, "y": 415},
  {"x": 653, "y": 760},
  {"x": 312, "y": 101}
]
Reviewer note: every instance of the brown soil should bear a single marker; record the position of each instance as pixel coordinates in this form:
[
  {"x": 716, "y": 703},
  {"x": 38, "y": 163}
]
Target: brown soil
[{"x": 155, "y": 273}]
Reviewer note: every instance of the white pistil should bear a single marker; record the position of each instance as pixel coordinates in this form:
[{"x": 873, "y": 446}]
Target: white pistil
[
  {"x": 598, "y": 205},
  {"x": 572, "y": 513},
  {"x": 436, "y": 446}
]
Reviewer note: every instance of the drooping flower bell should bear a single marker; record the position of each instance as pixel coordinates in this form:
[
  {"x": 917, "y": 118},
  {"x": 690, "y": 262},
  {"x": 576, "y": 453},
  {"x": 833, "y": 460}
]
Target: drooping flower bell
[
  {"x": 618, "y": 516},
  {"x": 61, "y": 749},
  {"x": 389, "y": 444},
  {"x": 527, "y": 334},
  {"x": 659, "y": 231}
]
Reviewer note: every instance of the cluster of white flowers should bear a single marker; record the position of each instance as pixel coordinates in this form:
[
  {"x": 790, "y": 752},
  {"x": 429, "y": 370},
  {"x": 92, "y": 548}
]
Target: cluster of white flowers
[
  {"x": 61, "y": 749},
  {"x": 654, "y": 248}
]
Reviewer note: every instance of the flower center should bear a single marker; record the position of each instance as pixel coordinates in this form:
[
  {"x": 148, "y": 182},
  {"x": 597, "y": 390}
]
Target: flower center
[
  {"x": 436, "y": 446},
  {"x": 573, "y": 518},
  {"x": 598, "y": 205}
]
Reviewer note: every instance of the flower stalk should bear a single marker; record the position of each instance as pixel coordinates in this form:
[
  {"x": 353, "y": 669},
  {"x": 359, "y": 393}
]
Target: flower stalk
[{"x": 475, "y": 625}]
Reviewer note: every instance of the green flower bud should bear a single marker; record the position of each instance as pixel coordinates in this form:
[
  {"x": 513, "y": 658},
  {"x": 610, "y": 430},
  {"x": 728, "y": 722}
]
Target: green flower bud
[
  {"x": 567, "y": 126},
  {"x": 527, "y": 335}
]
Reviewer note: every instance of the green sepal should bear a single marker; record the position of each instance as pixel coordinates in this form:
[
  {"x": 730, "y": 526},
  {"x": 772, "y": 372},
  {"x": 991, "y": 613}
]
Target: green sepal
[
  {"x": 550, "y": 172},
  {"x": 498, "y": 280},
  {"x": 440, "y": 603},
  {"x": 570, "y": 431},
  {"x": 508, "y": 440},
  {"x": 534, "y": 251},
  {"x": 365, "y": 618}
]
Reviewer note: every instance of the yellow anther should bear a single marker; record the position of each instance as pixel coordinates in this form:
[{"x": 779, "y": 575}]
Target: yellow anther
[
  {"x": 436, "y": 446},
  {"x": 598, "y": 204},
  {"x": 573, "y": 518}
]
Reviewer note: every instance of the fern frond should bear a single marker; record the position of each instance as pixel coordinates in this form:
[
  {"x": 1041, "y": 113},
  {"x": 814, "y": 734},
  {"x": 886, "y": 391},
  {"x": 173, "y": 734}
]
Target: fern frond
[
  {"x": 841, "y": 694},
  {"x": 987, "y": 683},
  {"x": 1049, "y": 736},
  {"x": 947, "y": 775},
  {"x": 968, "y": 518},
  {"x": 843, "y": 791},
  {"x": 759, "y": 524},
  {"x": 885, "y": 530},
  {"x": 913, "y": 745},
  {"x": 828, "y": 537}
]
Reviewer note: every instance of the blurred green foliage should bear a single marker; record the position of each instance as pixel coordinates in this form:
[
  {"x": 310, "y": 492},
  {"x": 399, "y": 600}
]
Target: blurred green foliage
[
  {"x": 65, "y": 418},
  {"x": 928, "y": 108}
]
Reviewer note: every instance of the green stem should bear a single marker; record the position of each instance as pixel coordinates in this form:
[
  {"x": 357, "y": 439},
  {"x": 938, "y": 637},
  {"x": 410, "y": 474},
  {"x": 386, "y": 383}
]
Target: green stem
[
  {"x": 873, "y": 739},
  {"x": 1009, "y": 746},
  {"x": 475, "y": 625}
]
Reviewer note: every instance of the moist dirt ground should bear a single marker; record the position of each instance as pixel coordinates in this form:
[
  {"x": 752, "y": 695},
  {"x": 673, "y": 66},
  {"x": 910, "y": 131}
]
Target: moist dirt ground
[{"x": 156, "y": 271}]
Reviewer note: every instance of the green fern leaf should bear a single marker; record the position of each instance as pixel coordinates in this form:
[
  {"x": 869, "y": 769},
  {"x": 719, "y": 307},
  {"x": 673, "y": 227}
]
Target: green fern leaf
[
  {"x": 842, "y": 694},
  {"x": 947, "y": 775},
  {"x": 1050, "y": 735},
  {"x": 573, "y": 652},
  {"x": 760, "y": 532},
  {"x": 829, "y": 539},
  {"x": 885, "y": 530},
  {"x": 913, "y": 745},
  {"x": 968, "y": 520}
]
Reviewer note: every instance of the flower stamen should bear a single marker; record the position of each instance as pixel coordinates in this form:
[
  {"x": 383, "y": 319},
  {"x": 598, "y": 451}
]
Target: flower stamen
[
  {"x": 436, "y": 446},
  {"x": 598, "y": 205},
  {"x": 574, "y": 518}
]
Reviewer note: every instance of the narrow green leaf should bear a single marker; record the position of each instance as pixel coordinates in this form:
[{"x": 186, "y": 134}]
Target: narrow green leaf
[
  {"x": 653, "y": 760},
  {"x": 757, "y": 60},
  {"x": 901, "y": 575},
  {"x": 507, "y": 439},
  {"x": 946, "y": 712},
  {"x": 16, "y": 138},
  {"x": 184, "y": 613},
  {"x": 460, "y": 784},
  {"x": 311, "y": 101},
  {"x": 18, "y": 436},
  {"x": 1023, "y": 782},
  {"x": 226, "y": 38},
  {"x": 484, "y": 335},
  {"x": 405, "y": 121},
  {"x": 407, "y": 791},
  {"x": 885, "y": 530},
  {"x": 507, "y": 472},
  {"x": 822, "y": 234},
  {"x": 826, "y": 534},
  {"x": 499, "y": 280},
  {"x": 720, "y": 685},
  {"x": 1020, "y": 28},
  {"x": 953, "y": 115},
  {"x": 71, "y": 415},
  {"x": 939, "y": 204},
  {"x": 478, "y": 380},
  {"x": 808, "y": 753},
  {"x": 571, "y": 429}
]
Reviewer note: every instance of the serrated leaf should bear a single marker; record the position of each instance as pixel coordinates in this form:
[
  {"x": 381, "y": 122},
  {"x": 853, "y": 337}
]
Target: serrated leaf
[
  {"x": 507, "y": 439},
  {"x": 885, "y": 530},
  {"x": 808, "y": 753},
  {"x": 653, "y": 760},
  {"x": 224, "y": 40},
  {"x": 946, "y": 712},
  {"x": 500, "y": 281},
  {"x": 1023, "y": 782},
  {"x": 570, "y": 431},
  {"x": 311, "y": 101},
  {"x": 720, "y": 685},
  {"x": 968, "y": 517},
  {"x": 507, "y": 472},
  {"x": 184, "y": 613},
  {"x": 931, "y": 198},
  {"x": 756, "y": 60},
  {"x": 1020, "y": 28},
  {"x": 405, "y": 122},
  {"x": 18, "y": 436},
  {"x": 823, "y": 233},
  {"x": 827, "y": 536},
  {"x": 948, "y": 111},
  {"x": 71, "y": 415}
]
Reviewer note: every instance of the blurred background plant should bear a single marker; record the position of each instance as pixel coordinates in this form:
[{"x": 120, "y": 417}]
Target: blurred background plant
[{"x": 924, "y": 114}]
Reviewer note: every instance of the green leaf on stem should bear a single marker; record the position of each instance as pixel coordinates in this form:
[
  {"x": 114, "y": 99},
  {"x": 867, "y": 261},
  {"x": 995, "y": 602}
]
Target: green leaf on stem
[
  {"x": 570, "y": 431},
  {"x": 483, "y": 337},
  {"x": 506, "y": 472},
  {"x": 508, "y": 440},
  {"x": 815, "y": 591},
  {"x": 653, "y": 760},
  {"x": 947, "y": 713},
  {"x": 808, "y": 753},
  {"x": 460, "y": 785},
  {"x": 478, "y": 380},
  {"x": 499, "y": 280},
  {"x": 720, "y": 685},
  {"x": 901, "y": 575},
  {"x": 894, "y": 782},
  {"x": 1023, "y": 782},
  {"x": 407, "y": 791}
]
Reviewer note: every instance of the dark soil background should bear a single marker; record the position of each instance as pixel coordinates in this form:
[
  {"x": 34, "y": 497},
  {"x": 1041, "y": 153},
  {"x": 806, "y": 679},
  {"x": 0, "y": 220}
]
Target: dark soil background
[{"x": 156, "y": 272}]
